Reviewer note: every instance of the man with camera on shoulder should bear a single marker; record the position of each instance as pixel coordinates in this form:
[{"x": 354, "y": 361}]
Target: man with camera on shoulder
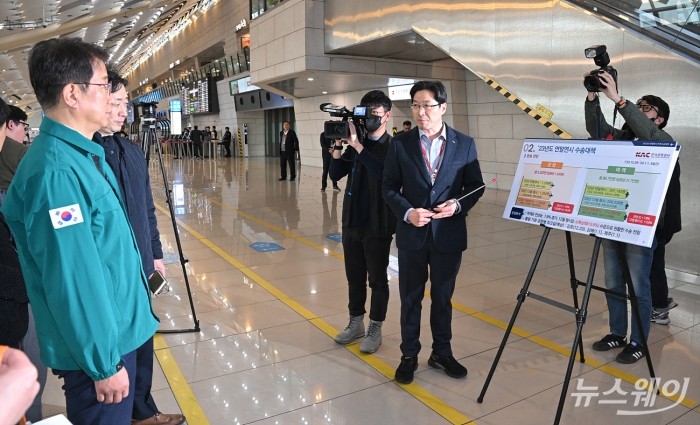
[
  {"x": 644, "y": 120},
  {"x": 368, "y": 223}
]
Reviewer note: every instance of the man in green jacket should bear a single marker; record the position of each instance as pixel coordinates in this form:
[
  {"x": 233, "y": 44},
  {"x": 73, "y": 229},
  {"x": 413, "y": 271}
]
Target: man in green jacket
[{"x": 77, "y": 251}]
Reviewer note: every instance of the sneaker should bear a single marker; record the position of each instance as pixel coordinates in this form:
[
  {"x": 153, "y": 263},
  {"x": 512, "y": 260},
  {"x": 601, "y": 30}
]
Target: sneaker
[
  {"x": 630, "y": 354},
  {"x": 373, "y": 339},
  {"x": 660, "y": 317},
  {"x": 336, "y": 189},
  {"x": 354, "y": 330},
  {"x": 670, "y": 304},
  {"x": 609, "y": 342},
  {"x": 448, "y": 363},
  {"x": 404, "y": 373}
]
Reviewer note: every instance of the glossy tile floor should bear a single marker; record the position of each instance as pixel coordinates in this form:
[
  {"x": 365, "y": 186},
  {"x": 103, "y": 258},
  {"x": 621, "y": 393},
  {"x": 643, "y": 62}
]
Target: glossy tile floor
[{"x": 265, "y": 352}]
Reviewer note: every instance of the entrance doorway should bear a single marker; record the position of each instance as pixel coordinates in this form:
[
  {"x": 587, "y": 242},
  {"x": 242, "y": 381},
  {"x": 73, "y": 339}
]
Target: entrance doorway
[{"x": 273, "y": 125}]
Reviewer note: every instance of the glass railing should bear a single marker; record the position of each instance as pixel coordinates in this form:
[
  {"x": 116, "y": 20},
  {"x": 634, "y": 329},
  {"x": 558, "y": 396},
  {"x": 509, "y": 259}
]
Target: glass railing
[{"x": 673, "y": 23}]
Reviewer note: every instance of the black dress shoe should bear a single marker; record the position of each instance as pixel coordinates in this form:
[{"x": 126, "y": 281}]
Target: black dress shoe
[
  {"x": 448, "y": 363},
  {"x": 292, "y": 179},
  {"x": 282, "y": 178},
  {"x": 404, "y": 373}
]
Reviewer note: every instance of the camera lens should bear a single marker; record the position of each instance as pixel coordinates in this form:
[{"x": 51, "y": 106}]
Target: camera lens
[{"x": 592, "y": 82}]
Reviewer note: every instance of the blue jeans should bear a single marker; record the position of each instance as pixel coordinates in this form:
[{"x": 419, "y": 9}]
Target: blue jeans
[{"x": 639, "y": 260}]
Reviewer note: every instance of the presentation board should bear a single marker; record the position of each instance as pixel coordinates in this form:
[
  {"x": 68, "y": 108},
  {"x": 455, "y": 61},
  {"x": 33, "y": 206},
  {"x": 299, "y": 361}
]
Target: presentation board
[{"x": 610, "y": 189}]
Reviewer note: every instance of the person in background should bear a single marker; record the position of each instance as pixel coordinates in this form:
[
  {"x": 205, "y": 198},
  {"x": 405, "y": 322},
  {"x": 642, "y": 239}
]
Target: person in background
[
  {"x": 17, "y": 327},
  {"x": 76, "y": 248},
  {"x": 406, "y": 127},
  {"x": 196, "y": 136},
  {"x": 327, "y": 147},
  {"x": 226, "y": 142},
  {"x": 426, "y": 171},
  {"x": 127, "y": 161},
  {"x": 214, "y": 133},
  {"x": 289, "y": 145},
  {"x": 13, "y": 149},
  {"x": 367, "y": 224}
]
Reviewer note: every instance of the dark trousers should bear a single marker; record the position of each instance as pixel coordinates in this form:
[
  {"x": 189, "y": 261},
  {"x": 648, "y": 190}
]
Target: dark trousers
[
  {"x": 366, "y": 260},
  {"x": 144, "y": 405},
  {"x": 326, "y": 165},
  {"x": 657, "y": 276},
  {"x": 197, "y": 149},
  {"x": 413, "y": 274},
  {"x": 82, "y": 407},
  {"x": 287, "y": 157},
  {"x": 227, "y": 146}
]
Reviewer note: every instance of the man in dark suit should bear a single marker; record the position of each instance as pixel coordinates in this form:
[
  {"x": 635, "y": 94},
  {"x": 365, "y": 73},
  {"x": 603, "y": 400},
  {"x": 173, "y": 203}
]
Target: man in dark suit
[
  {"x": 289, "y": 145},
  {"x": 426, "y": 170}
]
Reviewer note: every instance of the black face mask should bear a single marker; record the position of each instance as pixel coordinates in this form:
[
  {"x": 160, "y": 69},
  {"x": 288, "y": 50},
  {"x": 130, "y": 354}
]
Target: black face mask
[{"x": 373, "y": 123}]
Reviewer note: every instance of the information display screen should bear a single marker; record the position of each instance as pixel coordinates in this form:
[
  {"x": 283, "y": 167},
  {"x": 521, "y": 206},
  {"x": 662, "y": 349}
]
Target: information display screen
[{"x": 199, "y": 97}]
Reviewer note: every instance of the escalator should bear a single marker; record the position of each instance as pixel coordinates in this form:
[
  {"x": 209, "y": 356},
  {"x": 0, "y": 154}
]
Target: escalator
[{"x": 673, "y": 23}]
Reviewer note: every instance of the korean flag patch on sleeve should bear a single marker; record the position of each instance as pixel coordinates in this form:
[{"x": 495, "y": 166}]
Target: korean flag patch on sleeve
[{"x": 66, "y": 216}]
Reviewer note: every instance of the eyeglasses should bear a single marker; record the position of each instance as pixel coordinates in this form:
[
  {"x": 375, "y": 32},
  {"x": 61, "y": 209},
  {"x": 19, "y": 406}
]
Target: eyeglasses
[
  {"x": 26, "y": 126},
  {"x": 105, "y": 86},
  {"x": 646, "y": 108},
  {"x": 426, "y": 108}
]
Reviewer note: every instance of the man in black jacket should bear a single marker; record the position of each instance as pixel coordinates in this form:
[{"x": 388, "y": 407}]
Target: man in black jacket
[
  {"x": 368, "y": 223},
  {"x": 226, "y": 142},
  {"x": 128, "y": 163},
  {"x": 289, "y": 145},
  {"x": 196, "y": 136},
  {"x": 327, "y": 154}
]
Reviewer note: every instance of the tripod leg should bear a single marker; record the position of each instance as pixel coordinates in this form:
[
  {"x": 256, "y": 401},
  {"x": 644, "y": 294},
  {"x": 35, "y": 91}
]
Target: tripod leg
[
  {"x": 183, "y": 261},
  {"x": 521, "y": 299},
  {"x": 574, "y": 285},
  {"x": 580, "y": 320}
]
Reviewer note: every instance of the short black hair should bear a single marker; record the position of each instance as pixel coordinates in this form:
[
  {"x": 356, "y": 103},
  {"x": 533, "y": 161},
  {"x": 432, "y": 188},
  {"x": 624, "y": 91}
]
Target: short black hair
[
  {"x": 435, "y": 87},
  {"x": 15, "y": 114},
  {"x": 661, "y": 106},
  {"x": 407, "y": 122},
  {"x": 4, "y": 112},
  {"x": 59, "y": 61},
  {"x": 376, "y": 98},
  {"x": 116, "y": 80}
]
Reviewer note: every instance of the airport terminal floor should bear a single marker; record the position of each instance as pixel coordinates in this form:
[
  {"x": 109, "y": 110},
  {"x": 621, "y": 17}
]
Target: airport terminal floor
[{"x": 265, "y": 352}]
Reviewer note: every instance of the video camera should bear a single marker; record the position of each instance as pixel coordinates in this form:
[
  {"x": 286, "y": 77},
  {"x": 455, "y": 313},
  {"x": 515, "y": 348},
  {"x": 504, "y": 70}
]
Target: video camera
[
  {"x": 340, "y": 129},
  {"x": 148, "y": 111},
  {"x": 600, "y": 56}
]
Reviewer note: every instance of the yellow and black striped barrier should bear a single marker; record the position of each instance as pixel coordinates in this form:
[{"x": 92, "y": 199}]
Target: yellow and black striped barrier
[
  {"x": 541, "y": 114},
  {"x": 240, "y": 144}
]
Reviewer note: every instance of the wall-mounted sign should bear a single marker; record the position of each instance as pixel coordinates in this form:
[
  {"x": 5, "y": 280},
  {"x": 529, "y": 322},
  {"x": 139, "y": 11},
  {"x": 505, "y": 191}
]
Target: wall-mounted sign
[{"x": 241, "y": 25}]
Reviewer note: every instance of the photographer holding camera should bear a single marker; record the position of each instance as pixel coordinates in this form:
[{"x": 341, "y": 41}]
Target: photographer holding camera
[
  {"x": 644, "y": 120},
  {"x": 368, "y": 223}
]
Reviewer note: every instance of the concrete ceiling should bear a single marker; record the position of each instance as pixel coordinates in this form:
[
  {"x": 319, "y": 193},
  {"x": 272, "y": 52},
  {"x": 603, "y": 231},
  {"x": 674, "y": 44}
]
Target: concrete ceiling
[
  {"x": 127, "y": 29},
  {"x": 131, "y": 28},
  {"x": 404, "y": 46}
]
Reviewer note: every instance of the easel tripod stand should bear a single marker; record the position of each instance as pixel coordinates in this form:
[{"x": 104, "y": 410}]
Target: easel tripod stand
[
  {"x": 580, "y": 313},
  {"x": 148, "y": 137}
]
